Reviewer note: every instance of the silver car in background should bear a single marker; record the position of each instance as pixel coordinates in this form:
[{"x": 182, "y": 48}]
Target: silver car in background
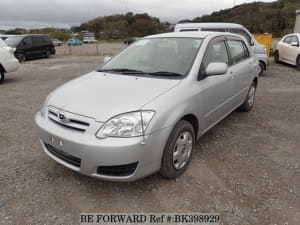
[{"x": 143, "y": 111}]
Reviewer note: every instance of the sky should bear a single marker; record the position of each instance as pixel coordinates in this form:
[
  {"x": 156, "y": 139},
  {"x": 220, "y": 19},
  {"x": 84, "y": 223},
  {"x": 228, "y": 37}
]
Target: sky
[{"x": 66, "y": 13}]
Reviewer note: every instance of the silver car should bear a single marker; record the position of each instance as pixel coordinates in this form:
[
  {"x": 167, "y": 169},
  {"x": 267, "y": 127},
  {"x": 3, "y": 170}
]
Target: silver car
[{"x": 143, "y": 110}]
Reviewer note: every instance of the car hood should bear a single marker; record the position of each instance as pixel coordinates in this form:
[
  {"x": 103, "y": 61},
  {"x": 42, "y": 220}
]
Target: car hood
[{"x": 103, "y": 95}]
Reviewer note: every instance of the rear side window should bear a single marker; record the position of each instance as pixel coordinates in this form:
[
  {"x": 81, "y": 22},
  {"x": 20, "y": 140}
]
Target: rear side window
[
  {"x": 37, "y": 40},
  {"x": 287, "y": 40},
  {"x": 238, "y": 51},
  {"x": 241, "y": 32},
  {"x": 46, "y": 39},
  {"x": 216, "y": 52},
  {"x": 213, "y": 29},
  {"x": 27, "y": 41},
  {"x": 187, "y": 30},
  {"x": 294, "y": 39}
]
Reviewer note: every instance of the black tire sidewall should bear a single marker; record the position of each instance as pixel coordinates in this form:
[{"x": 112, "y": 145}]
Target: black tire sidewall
[
  {"x": 276, "y": 57},
  {"x": 167, "y": 169},
  {"x": 2, "y": 76},
  {"x": 20, "y": 57},
  {"x": 298, "y": 62},
  {"x": 245, "y": 107}
]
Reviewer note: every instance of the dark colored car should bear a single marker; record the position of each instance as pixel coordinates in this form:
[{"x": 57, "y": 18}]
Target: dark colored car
[
  {"x": 130, "y": 40},
  {"x": 31, "y": 46}
]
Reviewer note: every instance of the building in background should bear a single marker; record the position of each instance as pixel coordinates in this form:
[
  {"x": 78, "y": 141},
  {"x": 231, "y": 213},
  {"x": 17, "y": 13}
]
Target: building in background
[{"x": 297, "y": 23}]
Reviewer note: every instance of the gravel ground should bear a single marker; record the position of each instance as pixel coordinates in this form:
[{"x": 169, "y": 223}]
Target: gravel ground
[{"x": 247, "y": 168}]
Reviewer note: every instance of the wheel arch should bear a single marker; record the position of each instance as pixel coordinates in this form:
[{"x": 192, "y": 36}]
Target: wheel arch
[
  {"x": 2, "y": 68},
  {"x": 192, "y": 119}
]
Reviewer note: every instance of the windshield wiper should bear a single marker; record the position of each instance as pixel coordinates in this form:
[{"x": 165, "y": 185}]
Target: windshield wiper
[
  {"x": 166, "y": 73},
  {"x": 122, "y": 70}
]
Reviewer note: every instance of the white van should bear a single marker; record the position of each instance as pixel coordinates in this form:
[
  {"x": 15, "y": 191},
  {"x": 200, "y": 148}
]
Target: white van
[{"x": 259, "y": 50}]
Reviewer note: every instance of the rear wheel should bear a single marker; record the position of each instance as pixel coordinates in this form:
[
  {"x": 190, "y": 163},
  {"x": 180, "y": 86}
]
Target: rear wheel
[
  {"x": 276, "y": 57},
  {"x": 261, "y": 68},
  {"x": 48, "y": 54},
  {"x": 178, "y": 150},
  {"x": 1, "y": 76},
  {"x": 250, "y": 99},
  {"x": 298, "y": 62}
]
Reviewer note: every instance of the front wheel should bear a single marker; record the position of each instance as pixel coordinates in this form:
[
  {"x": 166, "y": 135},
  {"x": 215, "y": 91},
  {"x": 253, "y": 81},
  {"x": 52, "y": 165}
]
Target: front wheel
[
  {"x": 1, "y": 76},
  {"x": 276, "y": 57},
  {"x": 178, "y": 150},
  {"x": 20, "y": 57},
  {"x": 249, "y": 101}
]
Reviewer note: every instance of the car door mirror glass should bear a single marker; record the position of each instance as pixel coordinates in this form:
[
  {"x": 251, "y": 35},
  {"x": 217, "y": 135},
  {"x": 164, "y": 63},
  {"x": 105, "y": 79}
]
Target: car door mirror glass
[{"x": 216, "y": 68}]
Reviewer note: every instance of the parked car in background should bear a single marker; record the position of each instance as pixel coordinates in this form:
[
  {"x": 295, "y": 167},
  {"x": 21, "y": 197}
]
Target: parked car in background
[
  {"x": 259, "y": 50},
  {"x": 288, "y": 50},
  {"x": 145, "y": 108},
  {"x": 56, "y": 42},
  {"x": 88, "y": 40},
  {"x": 8, "y": 62},
  {"x": 74, "y": 41},
  {"x": 31, "y": 46},
  {"x": 130, "y": 40}
]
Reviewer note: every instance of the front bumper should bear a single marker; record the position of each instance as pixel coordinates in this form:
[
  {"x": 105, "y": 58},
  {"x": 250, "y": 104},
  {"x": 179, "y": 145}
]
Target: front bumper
[{"x": 105, "y": 153}]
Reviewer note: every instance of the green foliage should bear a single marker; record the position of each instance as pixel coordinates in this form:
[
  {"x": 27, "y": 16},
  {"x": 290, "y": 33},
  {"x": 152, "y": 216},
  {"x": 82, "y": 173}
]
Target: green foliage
[
  {"x": 122, "y": 26},
  {"x": 56, "y": 33},
  {"x": 277, "y": 17}
]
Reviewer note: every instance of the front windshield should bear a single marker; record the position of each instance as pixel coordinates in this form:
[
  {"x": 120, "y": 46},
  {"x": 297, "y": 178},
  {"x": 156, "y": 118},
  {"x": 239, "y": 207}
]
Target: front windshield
[
  {"x": 13, "y": 41},
  {"x": 168, "y": 55}
]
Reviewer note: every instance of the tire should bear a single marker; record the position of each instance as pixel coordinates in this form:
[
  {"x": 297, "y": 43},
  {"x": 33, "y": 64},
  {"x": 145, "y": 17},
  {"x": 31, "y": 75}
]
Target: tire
[
  {"x": 21, "y": 57},
  {"x": 178, "y": 150},
  {"x": 262, "y": 69},
  {"x": 2, "y": 76},
  {"x": 48, "y": 54},
  {"x": 298, "y": 63},
  {"x": 276, "y": 57},
  {"x": 250, "y": 99}
]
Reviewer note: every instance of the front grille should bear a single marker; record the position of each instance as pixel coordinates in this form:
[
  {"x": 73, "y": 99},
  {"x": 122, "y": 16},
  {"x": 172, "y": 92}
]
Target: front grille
[
  {"x": 70, "y": 120},
  {"x": 117, "y": 171},
  {"x": 63, "y": 156}
]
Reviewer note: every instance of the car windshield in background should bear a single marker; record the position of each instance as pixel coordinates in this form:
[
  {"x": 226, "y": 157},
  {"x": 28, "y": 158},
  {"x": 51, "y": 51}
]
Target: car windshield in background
[
  {"x": 156, "y": 57},
  {"x": 13, "y": 41}
]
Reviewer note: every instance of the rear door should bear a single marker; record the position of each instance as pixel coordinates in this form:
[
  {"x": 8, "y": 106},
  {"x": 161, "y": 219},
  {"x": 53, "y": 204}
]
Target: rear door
[
  {"x": 38, "y": 45},
  {"x": 241, "y": 70}
]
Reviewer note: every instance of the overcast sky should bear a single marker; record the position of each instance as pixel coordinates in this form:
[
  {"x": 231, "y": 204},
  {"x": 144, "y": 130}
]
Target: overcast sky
[{"x": 66, "y": 13}]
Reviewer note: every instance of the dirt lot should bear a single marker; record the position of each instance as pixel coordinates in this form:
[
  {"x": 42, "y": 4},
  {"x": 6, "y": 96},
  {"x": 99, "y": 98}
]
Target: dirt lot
[{"x": 247, "y": 168}]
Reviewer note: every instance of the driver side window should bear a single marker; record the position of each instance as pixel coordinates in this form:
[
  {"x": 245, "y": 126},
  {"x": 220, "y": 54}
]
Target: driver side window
[{"x": 216, "y": 52}]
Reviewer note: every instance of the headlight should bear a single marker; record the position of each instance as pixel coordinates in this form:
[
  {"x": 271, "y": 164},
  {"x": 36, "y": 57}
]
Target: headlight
[
  {"x": 45, "y": 106},
  {"x": 131, "y": 124}
]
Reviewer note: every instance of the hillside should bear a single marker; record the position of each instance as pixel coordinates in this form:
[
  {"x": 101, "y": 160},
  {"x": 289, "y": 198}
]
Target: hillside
[
  {"x": 277, "y": 17},
  {"x": 122, "y": 26}
]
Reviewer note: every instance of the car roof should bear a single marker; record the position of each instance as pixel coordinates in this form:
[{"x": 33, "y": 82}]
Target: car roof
[
  {"x": 209, "y": 25},
  {"x": 192, "y": 34}
]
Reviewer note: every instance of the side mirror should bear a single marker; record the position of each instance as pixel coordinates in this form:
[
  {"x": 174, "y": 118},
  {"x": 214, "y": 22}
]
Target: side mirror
[
  {"x": 252, "y": 42},
  {"x": 216, "y": 69},
  {"x": 295, "y": 44},
  {"x": 106, "y": 59},
  {"x": 24, "y": 42}
]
